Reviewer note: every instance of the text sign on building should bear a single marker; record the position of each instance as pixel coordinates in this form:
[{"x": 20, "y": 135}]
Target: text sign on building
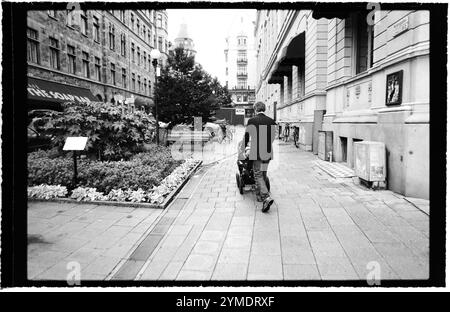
[
  {"x": 240, "y": 111},
  {"x": 401, "y": 26},
  {"x": 75, "y": 144}
]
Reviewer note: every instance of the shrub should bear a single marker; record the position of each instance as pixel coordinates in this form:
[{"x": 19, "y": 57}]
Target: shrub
[
  {"x": 144, "y": 170},
  {"x": 112, "y": 134}
]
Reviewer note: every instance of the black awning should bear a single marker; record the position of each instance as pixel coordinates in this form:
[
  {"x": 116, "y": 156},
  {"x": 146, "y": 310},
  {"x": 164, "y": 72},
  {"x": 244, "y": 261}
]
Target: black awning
[
  {"x": 294, "y": 52},
  {"x": 330, "y": 14},
  {"x": 139, "y": 102},
  {"x": 339, "y": 10},
  {"x": 53, "y": 92}
]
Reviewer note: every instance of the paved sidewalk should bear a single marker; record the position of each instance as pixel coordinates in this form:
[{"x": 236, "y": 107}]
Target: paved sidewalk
[
  {"x": 320, "y": 228},
  {"x": 96, "y": 237}
]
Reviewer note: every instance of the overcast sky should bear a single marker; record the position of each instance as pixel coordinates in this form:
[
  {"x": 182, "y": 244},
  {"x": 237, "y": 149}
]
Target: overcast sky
[{"x": 209, "y": 28}]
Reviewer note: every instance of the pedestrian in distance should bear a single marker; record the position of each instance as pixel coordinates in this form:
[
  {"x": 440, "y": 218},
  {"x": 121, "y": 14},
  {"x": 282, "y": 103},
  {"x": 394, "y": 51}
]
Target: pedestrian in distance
[{"x": 260, "y": 131}]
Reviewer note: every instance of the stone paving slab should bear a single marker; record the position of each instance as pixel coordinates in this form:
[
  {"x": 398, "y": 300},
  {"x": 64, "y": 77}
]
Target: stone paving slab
[
  {"x": 319, "y": 228},
  {"x": 96, "y": 237}
]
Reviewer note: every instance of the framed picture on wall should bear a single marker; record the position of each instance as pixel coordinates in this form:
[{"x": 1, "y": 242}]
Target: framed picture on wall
[{"x": 394, "y": 86}]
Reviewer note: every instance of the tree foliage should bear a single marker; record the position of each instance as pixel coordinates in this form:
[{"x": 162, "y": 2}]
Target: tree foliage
[
  {"x": 112, "y": 134},
  {"x": 185, "y": 90}
]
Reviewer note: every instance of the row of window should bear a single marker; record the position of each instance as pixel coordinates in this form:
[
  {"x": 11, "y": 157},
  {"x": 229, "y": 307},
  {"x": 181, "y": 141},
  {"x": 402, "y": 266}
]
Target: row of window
[
  {"x": 138, "y": 56},
  {"x": 148, "y": 34},
  {"x": 137, "y": 85}
]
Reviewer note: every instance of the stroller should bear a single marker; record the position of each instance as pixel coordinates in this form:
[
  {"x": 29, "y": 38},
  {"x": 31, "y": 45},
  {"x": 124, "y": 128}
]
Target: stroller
[{"x": 245, "y": 175}]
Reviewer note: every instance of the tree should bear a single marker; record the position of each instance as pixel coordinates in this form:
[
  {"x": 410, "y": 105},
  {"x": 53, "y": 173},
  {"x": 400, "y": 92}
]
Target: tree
[{"x": 185, "y": 91}]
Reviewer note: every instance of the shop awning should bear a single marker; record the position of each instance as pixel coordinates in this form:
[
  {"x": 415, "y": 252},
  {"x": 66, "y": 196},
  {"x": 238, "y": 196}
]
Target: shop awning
[
  {"x": 292, "y": 54},
  {"x": 52, "y": 93},
  {"x": 339, "y": 10},
  {"x": 139, "y": 102}
]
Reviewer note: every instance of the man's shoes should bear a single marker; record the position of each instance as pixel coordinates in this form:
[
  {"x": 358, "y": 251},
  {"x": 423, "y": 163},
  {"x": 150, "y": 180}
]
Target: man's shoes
[{"x": 267, "y": 203}]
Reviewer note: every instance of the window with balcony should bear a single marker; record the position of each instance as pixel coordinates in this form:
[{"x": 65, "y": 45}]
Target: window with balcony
[
  {"x": 84, "y": 22},
  {"x": 160, "y": 44},
  {"x": 133, "y": 82},
  {"x": 363, "y": 34},
  {"x": 96, "y": 29},
  {"x": 132, "y": 21},
  {"x": 112, "y": 37},
  {"x": 54, "y": 53},
  {"x": 139, "y": 56},
  {"x": 32, "y": 46},
  {"x": 85, "y": 63},
  {"x": 138, "y": 27},
  {"x": 139, "y": 83},
  {"x": 124, "y": 77},
  {"x": 98, "y": 69},
  {"x": 113, "y": 74},
  {"x": 71, "y": 56},
  {"x": 159, "y": 21},
  {"x": 71, "y": 20},
  {"x": 132, "y": 53},
  {"x": 123, "y": 45},
  {"x": 145, "y": 60}
]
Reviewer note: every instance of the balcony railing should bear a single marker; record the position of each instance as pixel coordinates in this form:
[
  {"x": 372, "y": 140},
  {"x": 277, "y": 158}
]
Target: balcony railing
[
  {"x": 242, "y": 60},
  {"x": 242, "y": 74}
]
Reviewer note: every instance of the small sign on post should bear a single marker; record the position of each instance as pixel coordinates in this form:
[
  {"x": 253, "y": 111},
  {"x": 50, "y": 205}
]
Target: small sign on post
[
  {"x": 240, "y": 111},
  {"x": 75, "y": 144}
]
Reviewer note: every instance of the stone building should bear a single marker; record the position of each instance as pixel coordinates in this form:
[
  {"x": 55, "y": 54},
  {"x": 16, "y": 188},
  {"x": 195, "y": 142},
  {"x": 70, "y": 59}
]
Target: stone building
[
  {"x": 359, "y": 78},
  {"x": 102, "y": 54},
  {"x": 240, "y": 67}
]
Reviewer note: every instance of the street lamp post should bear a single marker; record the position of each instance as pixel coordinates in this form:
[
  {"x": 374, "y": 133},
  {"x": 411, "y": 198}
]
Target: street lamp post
[{"x": 156, "y": 55}]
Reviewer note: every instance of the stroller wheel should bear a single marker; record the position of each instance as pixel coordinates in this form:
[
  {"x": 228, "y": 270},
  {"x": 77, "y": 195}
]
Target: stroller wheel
[{"x": 267, "y": 183}]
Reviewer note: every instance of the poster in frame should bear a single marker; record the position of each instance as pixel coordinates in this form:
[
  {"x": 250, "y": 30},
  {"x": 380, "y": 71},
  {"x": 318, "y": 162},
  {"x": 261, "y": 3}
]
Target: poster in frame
[{"x": 394, "y": 86}]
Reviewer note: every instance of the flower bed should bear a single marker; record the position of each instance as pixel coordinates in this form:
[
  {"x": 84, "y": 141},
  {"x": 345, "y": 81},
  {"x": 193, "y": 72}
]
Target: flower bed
[{"x": 143, "y": 179}]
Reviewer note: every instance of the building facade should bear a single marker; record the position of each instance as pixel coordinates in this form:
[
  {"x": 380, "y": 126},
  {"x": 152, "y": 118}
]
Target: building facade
[
  {"x": 359, "y": 78},
  {"x": 106, "y": 52},
  {"x": 240, "y": 68}
]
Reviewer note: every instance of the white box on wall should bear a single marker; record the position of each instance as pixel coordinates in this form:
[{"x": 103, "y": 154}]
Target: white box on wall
[{"x": 370, "y": 161}]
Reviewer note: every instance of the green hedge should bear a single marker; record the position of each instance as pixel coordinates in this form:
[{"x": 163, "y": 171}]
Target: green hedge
[{"x": 143, "y": 170}]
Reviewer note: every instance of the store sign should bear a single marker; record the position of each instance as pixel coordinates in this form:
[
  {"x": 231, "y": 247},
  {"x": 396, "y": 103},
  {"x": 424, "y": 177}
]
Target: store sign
[
  {"x": 36, "y": 91},
  {"x": 401, "y": 26},
  {"x": 57, "y": 92},
  {"x": 240, "y": 111}
]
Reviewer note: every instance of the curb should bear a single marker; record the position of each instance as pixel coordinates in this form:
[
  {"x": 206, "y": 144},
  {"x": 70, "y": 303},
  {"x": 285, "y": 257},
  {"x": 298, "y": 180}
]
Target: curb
[{"x": 163, "y": 205}]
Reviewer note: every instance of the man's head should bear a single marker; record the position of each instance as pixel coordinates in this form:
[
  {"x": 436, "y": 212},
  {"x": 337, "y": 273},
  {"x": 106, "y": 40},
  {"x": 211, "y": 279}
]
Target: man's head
[{"x": 259, "y": 107}]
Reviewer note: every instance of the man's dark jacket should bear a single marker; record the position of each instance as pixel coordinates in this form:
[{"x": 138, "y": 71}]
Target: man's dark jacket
[{"x": 260, "y": 129}]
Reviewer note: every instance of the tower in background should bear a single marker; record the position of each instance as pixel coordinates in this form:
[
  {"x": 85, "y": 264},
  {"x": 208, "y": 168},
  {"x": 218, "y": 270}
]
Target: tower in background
[
  {"x": 184, "y": 40},
  {"x": 240, "y": 60}
]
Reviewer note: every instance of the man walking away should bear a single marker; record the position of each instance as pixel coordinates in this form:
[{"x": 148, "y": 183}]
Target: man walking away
[{"x": 260, "y": 131}]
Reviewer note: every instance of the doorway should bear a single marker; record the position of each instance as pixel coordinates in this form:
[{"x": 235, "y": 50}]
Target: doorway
[{"x": 343, "y": 141}]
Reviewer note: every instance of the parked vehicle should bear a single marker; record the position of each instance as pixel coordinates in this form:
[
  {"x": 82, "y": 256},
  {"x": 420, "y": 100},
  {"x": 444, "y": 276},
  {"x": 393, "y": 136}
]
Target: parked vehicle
[{"x": 38, "y": 141}]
